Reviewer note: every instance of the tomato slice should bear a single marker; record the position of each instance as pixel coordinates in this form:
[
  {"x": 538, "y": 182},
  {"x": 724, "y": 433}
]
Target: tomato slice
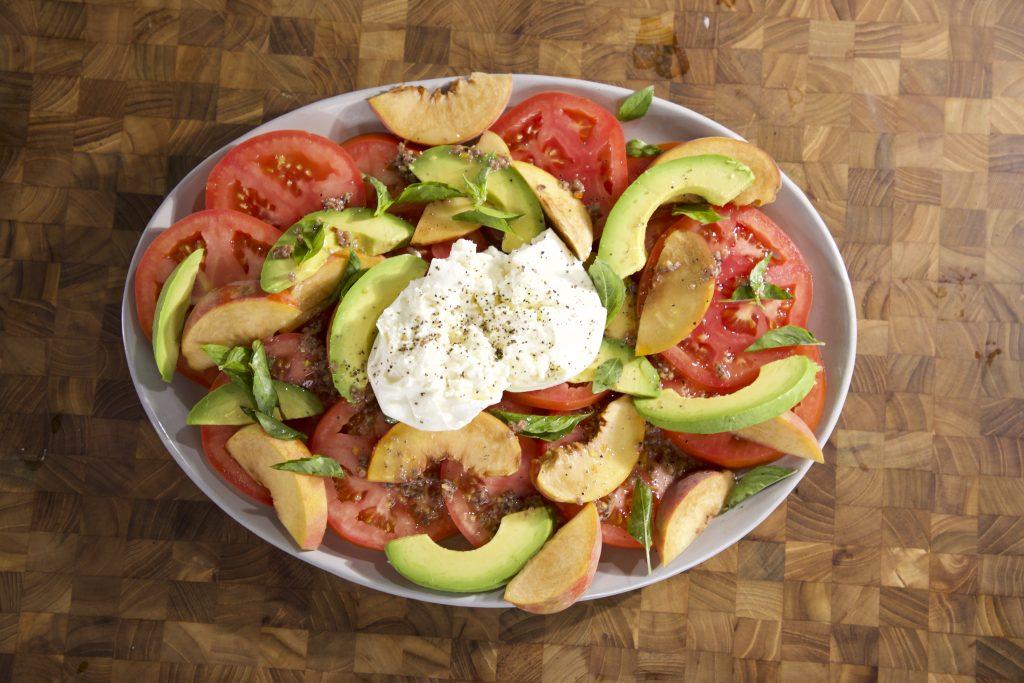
[
  {"x": 300, "y": 358},
  {"x": 281, "y": 176},
  {"x": 661, "y": 463},
  {"x": 368, "y": 513},
  {"x": 477, "y": 504},
  {"x": 732, "y": 452},
  {"x": 562, "y": 397},
  {"x": 236, "y": 245},
  {"x": 713, "y": 357},
  {"x": 571, "y": 138}
]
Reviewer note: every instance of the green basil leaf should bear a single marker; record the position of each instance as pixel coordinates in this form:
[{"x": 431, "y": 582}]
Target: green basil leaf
[
  {"x": 315, "y": 243},
  {"x": 233, "y": 362},
  {"x": 754, "y": 481},
  {"x": 774, "y": 292},
  {"x": 316, "y": 465},
  {"x": 787, "y": 335},
  {"x": 353, "y": 271},
  {"x": 489, "y": 216},
  {"x": 544, "y": 427},
  {"x": 477, "y": 188},
  {"x": 757, "y": 286},
  {"x": 422, "y": 193},
  {"x": 742, "y": 292},
  {"x": 610, "y": 287},
  {"x": 639, "y": 148},
  {"x": 639, "y": 524},
  {"x": 637, "y": 104},
  {"x": 384, "y": 201},
  {"x": 702, "y": 213},
  {"x": 262, "y": 386},
  {"x": 606, "y": 375},
  {"x": 216, "y": 352},
  {"x": 273, "y": 426}
]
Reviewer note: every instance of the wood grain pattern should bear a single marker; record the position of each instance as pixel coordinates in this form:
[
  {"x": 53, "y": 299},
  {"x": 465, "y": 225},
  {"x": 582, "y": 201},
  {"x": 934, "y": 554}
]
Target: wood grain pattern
[{"x": 900, "y": 559}]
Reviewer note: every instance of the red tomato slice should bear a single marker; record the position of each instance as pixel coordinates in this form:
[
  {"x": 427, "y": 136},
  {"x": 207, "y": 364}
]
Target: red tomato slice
[
  {"x": 374, "y": 155},
  {"x": 478, "y": 504},
  {"x": 279, "y": 177},
  {"x": 570, "y": 137},
  {"x": 713, "y": 357},
  {"x": 368, "y": 513},
  {"x": 236, "y": 245},
  {"x": 660, "y": 464},
  {"x": 562, "y": 397},
  {"x": 638, "y": 165},
  {"x": 732, "y": 452},
  {"x": 301, "y": 359}
]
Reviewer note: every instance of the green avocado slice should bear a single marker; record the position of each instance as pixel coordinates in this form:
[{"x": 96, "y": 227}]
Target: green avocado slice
[
  {"x": 223, "y": 405},
  {"x": 327, "y": 232},
  {"x": 171, "y": 307},
  {"x": 716, "y": 178},
  {"x": 518, "y": 538},
  {"x": 779, "y": 386},
  {"x": 638, "y": 378},
  {"x": 354, "y": 324},
  {"x": 506, "y": 189}
]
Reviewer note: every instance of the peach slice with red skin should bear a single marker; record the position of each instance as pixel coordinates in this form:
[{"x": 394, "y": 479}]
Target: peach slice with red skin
[
  {"x": 686, "y": 509},
  {"x": 458, "y": 112},
  {"x": 564, "y": 568},
  {"x": 786, "y": 433}
]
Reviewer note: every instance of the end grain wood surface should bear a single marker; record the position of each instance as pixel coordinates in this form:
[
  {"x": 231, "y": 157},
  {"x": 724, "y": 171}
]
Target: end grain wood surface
[{"x": 900, "y": 559}]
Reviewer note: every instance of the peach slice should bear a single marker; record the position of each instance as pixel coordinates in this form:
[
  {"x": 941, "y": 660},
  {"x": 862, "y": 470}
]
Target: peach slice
[
  {"x": 580, "y": 472},
  {"x": 767, "y": 178},
  {"x": 568, "y": 215},
  {"x": 564, "y": 568},
  {"x": 437, "y": 225},
  {"x": 300, "y": 500},
  {"x": 786, "y": 433},
  {"x": 681, "y": 291},
  {"x": 458, "y": 112},
  {"x": 686, "y": 509},
  {"x": 235, "y": 314},
  {"x": 491, "y": 143},
  {"x": 485, "y": 446}
]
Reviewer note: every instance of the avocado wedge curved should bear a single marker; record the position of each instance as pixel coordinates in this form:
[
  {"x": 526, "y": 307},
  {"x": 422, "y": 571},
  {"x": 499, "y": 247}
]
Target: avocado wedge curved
[
  {"x": 171, "y": 307},
  {"x": 354, "y": 324},
  {"x": 322, "y": 233},
  {"x": 519, "y": 537},
  {"x": 716, "y": 178},
  {"x": 779, "y": 386}
]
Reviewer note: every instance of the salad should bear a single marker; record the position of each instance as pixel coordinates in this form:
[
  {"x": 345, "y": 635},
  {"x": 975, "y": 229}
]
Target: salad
[{"x": 506, "y": 327}]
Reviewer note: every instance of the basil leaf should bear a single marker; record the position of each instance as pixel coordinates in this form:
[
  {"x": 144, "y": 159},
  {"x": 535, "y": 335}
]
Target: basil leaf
[
  {"x": 610, "y": 287},
  {"x": 702, "y": 213},
  {"x": 317, "y": 466},
  {"x": 216, "y": 352},
  {"x": 639, "y": 524},
  {"x": 774, "y": 292},
  {"x": 489, "y": 216},
  {"x": 384, "y": 200},
  {"x": 606, "y": 375},
  {"x": 639, "y": 148},
  {"x": 742, "y": 292},
  {"x": 637, "y": 104},
  {"x": 477, "y": 189},
  {"x": 422, "y": 193},
  {"x": 353, "y": 271},
  {"x": 754, "y": 481},
  {"x": 233, "y": 362},
  {"x": 315, "y": 244},
  {"x": 544, "y": 427},
  {"x": 262, "y": 386},
  {"x": 273, "y": 426},
  {"x": 757, "y": 286},
  {"x": 787, "y": 335}
]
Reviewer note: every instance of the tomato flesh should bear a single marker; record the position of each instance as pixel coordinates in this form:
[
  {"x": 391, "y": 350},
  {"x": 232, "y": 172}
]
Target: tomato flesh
[
  {"x": 281, "y": 176},
  {"x": 561, "y": 397},
  {"x": 369, "y": 513},
  {"x": 714, "y": 357},
  {"x": 571, "y": 138},
  {"x": 375, "y": 154}
]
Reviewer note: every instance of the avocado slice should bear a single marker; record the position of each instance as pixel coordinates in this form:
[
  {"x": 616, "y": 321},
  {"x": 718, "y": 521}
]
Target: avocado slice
[
  {"x": 716, "y": 178},
  {"x": 520, "y": 535},
  {"x": 506, "y": 189},
  {"x": 624, "y": 325},
  {"x": 354, "y": 324},
  {"x": 355, "y": 228},
  {"x": 779, "y": 386},
  {"x": 171, "y": 307},
  {"x": 638, "y": 378},
  {"x": 223, "y": 405}
]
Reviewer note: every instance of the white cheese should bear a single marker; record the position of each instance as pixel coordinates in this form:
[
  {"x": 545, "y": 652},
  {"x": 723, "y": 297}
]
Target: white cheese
[{"x": 480, "y": 324}]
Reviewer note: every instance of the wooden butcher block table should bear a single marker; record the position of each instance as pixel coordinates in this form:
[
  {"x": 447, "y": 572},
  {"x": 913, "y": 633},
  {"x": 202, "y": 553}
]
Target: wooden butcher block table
[{"x": 901, "y": 559}]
